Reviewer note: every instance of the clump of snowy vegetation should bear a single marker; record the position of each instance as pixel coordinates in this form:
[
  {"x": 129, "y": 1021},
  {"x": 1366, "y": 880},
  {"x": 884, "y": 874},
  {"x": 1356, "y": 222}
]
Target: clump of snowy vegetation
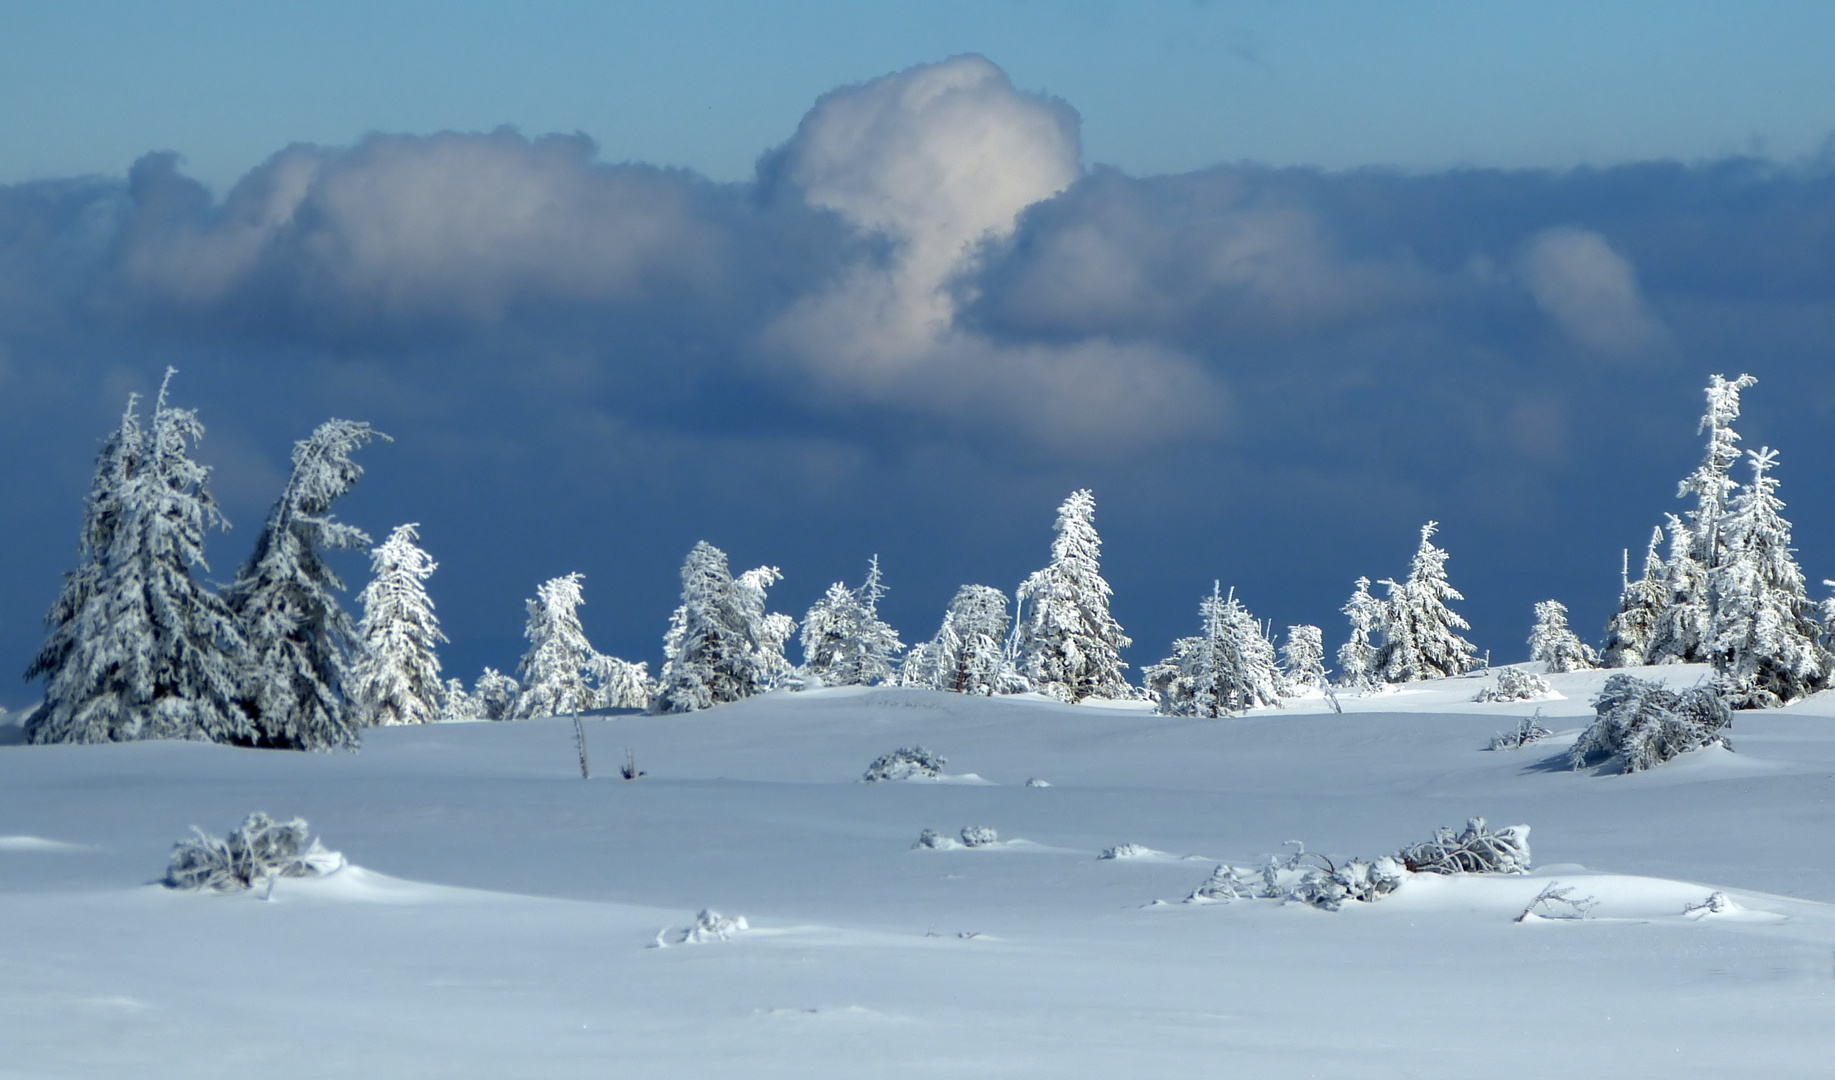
[
  {"x": 1515, "y": 684},
  {"x": 1640, "y": 724},
  {"x": 932, "y": 840},
  {"x": 967, "y": 655},
  {"x": 979, "y": 836},
  {"x": 1529, "y": 730},
  {"x": 845, "y": 643},
  {"x": 905, "y": 763},
  {"x": 1476, "y": 850},
  {"x": 1125, "y": 851},
  {"x": 1411, "y": 635},
  {"x": 562, "y": 672},
  {"x": 1557, "y": 901},
  {"x": 722, "y": 646},
  {"x": 1557, "y": 646},
  {"x": 710, "y": 925},
  {"x": 1303, "y": 660},
  {"x": 397, "y": 676},
  {"x": 258, "y": 849},
  {"x": 1227, "y": 668}
]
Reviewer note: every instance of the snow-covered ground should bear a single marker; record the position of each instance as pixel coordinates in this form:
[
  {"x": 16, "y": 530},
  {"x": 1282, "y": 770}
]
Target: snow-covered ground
[{"x": 500, "y": 917}]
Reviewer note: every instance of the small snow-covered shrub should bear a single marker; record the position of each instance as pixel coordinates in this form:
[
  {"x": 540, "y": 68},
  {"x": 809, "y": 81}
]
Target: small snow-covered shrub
[
  {"x": 1125, "y": 851},
  {"x": 933, "y": 840},
  {"x": 1226, "y": 883},
  {"x": 905, "y": 763},
  {"x": 1717, "y": 903},
  {"x": 979, "y": 835},
  {"x": 1514, "y": 684},
  {"x": 1477, "y": 850},
  {"x": 710, "y": 925},
  {"x": 1036, "y": 782},
  {"x": 1530, "y": 730},
  {"x": 1642, "y": 723},
  {"x": 259, "y": 848}
]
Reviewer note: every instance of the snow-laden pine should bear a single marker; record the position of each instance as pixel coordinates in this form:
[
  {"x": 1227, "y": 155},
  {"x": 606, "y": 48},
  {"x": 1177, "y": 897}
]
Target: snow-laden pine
[
  {"x": 1357, "y": 668},
  {"x": 300, "y": 639},
  {"x": 492, "y": 697},
  {"x": 1697, "y": 544},
  {"x": 1067, "y": 644},
  {"x": 1764, "y": 637},
  {"x": 1303, "y": 659},
  {"x": 1641, "y": 604},
  {"x": 845, "y": 642},
  {"x": 138, "y": 648},
  {"x": 562, "y": 673},
  {"x": 1420, "y": 630},
  {"x": 722, "y": 645},
  {"x": 1553, "y": 643},
  {"x": 396, "y": 679},
  {"x": 967, "y": 655},
  {"x": 1228, "y": 667}
]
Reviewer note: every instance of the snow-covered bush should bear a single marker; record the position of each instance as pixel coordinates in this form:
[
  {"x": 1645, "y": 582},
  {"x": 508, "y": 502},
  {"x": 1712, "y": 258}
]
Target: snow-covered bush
[
  {"x": 1514, "y": 684},
  {"x": 1320, "y": 883},
  {"x": 710, "y": 925},
  {"x": 1124, "y": 851},
  {"x": 979, "y": 835},
  {"x": 931, "y": 839},
  {"x": 259, "y": 848},
  {"x": 1068, "y": 645},
  {"x": 1226, "y": 883},
  {"x": 1640, "y": 723},
  {"x": 905, "y": 763},
  {"x": 1529, "y": 730},
  {"x": 1477, "y": 850},
  {"x": 1551, "y": 642},
  {"x": 1557, "y": 901},
  {"x": 1364, "y": 882}
]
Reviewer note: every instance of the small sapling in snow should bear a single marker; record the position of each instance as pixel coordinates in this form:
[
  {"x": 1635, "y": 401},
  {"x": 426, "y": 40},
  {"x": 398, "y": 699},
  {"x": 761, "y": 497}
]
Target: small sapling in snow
[
  {"x": 1529, "y": 730},
  {"x": 1556, "y": 901}
]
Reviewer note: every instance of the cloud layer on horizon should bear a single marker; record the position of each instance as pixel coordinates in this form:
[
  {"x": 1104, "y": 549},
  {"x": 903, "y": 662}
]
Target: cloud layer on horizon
[{"x": 923, "y": 315}]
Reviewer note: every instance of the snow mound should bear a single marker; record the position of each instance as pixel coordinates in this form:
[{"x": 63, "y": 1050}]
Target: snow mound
[{"x": 37, "y": 843}]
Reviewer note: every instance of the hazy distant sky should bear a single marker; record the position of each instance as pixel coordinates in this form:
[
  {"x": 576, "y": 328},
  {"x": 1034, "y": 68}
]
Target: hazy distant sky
[
  {"x": 709, "y": 84},
  {"x": 1281, "y": 282}
]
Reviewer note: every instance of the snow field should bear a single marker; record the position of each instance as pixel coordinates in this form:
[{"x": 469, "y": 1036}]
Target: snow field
[{"x": 498, "y": 914}]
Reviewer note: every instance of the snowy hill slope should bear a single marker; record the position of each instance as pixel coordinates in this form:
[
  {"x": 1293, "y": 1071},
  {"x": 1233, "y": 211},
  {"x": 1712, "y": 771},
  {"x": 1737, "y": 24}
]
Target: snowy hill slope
[{"x": 500, "y": 914}]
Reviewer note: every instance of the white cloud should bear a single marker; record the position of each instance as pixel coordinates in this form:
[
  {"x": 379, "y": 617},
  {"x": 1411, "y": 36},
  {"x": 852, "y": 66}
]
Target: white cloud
[
  {"x": 1590, "y": 290},
  {"x": 940, "y": 160}
]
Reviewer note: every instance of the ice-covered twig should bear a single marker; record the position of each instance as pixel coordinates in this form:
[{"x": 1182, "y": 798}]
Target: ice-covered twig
[{"x": 1556, "y": 893}]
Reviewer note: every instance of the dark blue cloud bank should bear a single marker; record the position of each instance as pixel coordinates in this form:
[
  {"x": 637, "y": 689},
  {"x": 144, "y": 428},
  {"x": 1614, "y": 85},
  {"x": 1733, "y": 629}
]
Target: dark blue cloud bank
[{"x": 921, "y": 326}]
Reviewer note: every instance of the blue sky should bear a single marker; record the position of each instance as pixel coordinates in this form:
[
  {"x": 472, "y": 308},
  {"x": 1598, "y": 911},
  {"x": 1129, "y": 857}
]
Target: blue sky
[{"x": 1280, "y": 282}]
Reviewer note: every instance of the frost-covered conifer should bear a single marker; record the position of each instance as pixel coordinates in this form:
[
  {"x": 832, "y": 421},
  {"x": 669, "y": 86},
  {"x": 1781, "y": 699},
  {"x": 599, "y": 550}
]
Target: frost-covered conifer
[
  {"x": 1226, "y": 669},
  {"x": 1697, "y": 546},
  {"x": 1551, "y": 642},
  {"x": 844, "y": 641},
  {"x": 1765, "y": 639},
  {"x": 1357, "y": 657},
  {"x": 300, "y": 639},
  {"x": 1068, "y": 646},
  {"x": 396, "y": 679},
  {"x": 1303, "y": 659},
  {"x": 562, "y": 673},
  {"x": 459, "y": 705},
  {"x": 966, "y": 655},
  {"x": 495, "y": 694},
  {"x": 1420, "y": 639},
  {"x": 1640, "y": 607},
  {"x": 721, "y": 645},
  {"x": 139, "y": 649}
]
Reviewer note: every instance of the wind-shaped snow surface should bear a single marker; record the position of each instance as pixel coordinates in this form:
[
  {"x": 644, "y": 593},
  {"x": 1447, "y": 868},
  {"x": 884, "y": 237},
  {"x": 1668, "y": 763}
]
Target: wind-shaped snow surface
[
  {"x": 138, "y": 648},
  {"x": 1764, "y": 637},
  {"x": 1697, "y": 544},
  {"x": 1551, "y": 642},
  {"x": 967, "y": 655},
  {"x": 845, "y": 643},
  {"x": 397, "y": 676},
  {"x": 1068, "y": 645},
  {"x": 1228, "y": 668},
  {"x": 562, "y": 673},
  {"x": 1420, "y": 639},
  {"x": 721, "y": 646},
  {"x": 300, "y": 640}
]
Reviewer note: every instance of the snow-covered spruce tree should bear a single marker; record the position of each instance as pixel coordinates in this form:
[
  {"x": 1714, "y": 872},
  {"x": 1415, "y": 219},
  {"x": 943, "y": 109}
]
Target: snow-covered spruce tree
[
  {"x": 138, "y": 648},
  {"x": 967, "y": 654},
  {"x": 844, "y": 641},
  {"x": 285, "y": 598},
  {"x": 721, "y": 645},
  {"x": 1227, "y": 668},
  {"x": 1697, "y": 546},
  {"x": 562, "y": 673},
  {"x": 1765, "y": 639},
  {"x": 1357, "y": 656},
  {"x": 1067, "y": 645},
  {"x": 1419, "y": 629},
  {"x": 1303, "y": 659},
  {"x": 1551, "y": 642},
  {"x": 397, "y": 675},
  {"x": 1640, "y": 609},
  {"x": 495, "y": 694}
]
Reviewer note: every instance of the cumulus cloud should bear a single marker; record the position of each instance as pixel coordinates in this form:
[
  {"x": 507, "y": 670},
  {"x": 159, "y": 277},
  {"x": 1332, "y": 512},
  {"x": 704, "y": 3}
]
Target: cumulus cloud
[
  {"x": 940, "y": 161},
  {"x": 1590, "y": 290}
]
